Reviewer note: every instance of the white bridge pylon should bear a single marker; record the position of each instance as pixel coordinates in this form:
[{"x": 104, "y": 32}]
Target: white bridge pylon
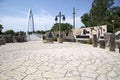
[{"x": 30, "y": 27}]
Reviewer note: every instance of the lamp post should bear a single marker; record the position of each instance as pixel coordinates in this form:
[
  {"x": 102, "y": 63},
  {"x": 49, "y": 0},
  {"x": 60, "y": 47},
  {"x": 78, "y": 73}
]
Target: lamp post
[
  {"x": 113, "y": 22},
  {"x": 59, "y": 16},
  {"x": 73, "y": 18},
  {"x": 112, "y": 39}
]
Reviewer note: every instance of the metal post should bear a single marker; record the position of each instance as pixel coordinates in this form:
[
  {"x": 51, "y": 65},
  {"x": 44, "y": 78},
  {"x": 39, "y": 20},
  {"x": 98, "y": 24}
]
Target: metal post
[
  {"x": 74, "y": 18},
  {"x": 59, "y": 24},
  {"x": 113, "y": 22},
  {"x": 59, "y": 16}
]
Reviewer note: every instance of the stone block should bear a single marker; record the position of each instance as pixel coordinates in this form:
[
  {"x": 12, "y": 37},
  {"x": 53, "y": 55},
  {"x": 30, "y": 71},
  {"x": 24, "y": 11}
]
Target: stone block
[
  {"x": 8, "y": 38},
  {"x": 2, "y": 40},
  {"x": 94, "y": 40},
  {"x": 102, "y": 44},
  {"x": 112, "y": 43},
  {"x": 60, "y": 40}
]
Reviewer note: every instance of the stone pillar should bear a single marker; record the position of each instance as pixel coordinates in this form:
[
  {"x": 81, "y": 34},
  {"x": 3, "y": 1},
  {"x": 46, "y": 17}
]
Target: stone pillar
[
  {"x": 102, "y": 44},
  {"x": 2, "y": 40},
  {"x": 119, "y": 46},
  {"x": 14, "y": 39},
  {"x": 60, "y": 40},
  {"x": 112, "y": 42},
  {"x": 94, "y": 40}
]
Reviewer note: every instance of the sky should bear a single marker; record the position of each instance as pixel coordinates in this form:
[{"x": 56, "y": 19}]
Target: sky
[{"x": 14, "y": 13}]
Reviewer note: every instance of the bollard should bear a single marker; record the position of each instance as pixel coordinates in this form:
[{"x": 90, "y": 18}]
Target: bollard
[
  {"x": 102, "y": 44},
  {"x": 112, "y": 42},
  {"x": 94, "y": 40},
  {"x": 60, "y": 40},
  {"x": 119, "y": 46}
]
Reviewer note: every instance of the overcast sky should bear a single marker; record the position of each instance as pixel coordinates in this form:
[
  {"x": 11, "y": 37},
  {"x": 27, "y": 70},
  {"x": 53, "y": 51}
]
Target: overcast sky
[{"x": 13, "y": 13}]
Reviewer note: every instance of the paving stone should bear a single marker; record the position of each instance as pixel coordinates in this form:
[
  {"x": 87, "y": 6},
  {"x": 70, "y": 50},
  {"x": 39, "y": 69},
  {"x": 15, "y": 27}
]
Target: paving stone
[
  {"x": 57, "y": 66},
  {"x": 21, "y": 69},
  {"x": 92, "y": 67},
  {"x": 60, "y": 70},
  {"x": 88, "y": 74},
  {"x": 3, "y": 77},
  {"x": 112, "y": 74},
  {"x": 81, "y": 68},
  {"x": 32, "y": 77},
  {"x": 69, "y": 67},
  {"x": 75, "y": 73},
  {"x": 66, "y": 61},
  {"x": 104, "y": 69},
  {"x": 46, "y": 68},
  {"x": 70, "y": 78},
  {"x": 30, "y": 71},
  {"x": 52, "y": 75},
  {"x": 87, "y": 78},
  {"x": 16, "y": 75},
  {"x": 102, "y": 77}
]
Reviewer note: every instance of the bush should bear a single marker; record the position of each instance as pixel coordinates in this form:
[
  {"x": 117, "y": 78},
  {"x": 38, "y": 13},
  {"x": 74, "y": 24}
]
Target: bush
[
  {"x": 90, "y": 41},
  {"x": 86, "y": 41},
  {"x": 54, "y": 39},
  {"x": 10, "y": 32}
]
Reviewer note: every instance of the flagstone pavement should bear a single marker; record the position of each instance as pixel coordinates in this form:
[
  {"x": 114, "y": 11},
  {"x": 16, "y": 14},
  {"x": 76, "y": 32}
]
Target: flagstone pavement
[{"x": 68, "y": 61}]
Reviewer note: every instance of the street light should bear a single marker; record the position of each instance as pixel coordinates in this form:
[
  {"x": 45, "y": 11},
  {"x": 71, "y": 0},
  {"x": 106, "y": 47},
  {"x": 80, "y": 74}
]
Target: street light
[
  {"x": 113, "y": 22},
  {"x": 59, "y": 16}
]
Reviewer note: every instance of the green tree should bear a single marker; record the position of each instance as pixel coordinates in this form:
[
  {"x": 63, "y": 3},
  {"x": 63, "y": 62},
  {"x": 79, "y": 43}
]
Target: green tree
[
  {"x": 1, "y": 27},
  {"x": 116, "y": 16},
  {"x": 40, "y": 32},
  {"x": 64, "y": 27},
  {"x": 99, "y": 13},
  {"x": 86, "y": 19},
  {"x": 9, "y": 32}
]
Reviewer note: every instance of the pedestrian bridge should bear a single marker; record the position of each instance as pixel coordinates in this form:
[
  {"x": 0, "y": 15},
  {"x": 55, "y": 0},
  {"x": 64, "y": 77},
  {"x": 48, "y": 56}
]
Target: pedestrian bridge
[{"x": 34, "y": 37}]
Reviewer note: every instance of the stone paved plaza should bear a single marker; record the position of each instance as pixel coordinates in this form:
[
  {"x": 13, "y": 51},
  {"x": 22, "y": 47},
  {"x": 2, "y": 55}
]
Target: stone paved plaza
[{"x": 68, "y": 61}]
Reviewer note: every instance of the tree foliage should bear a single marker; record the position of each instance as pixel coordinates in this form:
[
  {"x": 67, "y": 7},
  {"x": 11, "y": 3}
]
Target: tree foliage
[
  {"x": 116, "y": 17},
  {"x": 64, "y": 27},
  {"x": 9, "y": 32},
  {"x": 1, "y": 27},
  {"x": 101, "y": 13},
  {"x": 86, "y": 19},
  {"x": 40, "y": 32}
]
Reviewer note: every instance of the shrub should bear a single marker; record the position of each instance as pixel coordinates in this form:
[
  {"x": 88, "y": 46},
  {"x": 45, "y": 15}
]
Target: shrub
[
  {"x": 86, "y": 41},
  {"x": 54, "y": 39},
  {"x": 90, "y": 41}
]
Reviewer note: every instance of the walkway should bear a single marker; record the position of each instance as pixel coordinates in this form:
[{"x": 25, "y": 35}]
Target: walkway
[{"x": 68, "y": 61}]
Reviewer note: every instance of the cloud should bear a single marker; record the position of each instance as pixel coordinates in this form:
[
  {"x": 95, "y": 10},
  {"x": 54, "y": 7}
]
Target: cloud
[{"x": 44, "y": 21}]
